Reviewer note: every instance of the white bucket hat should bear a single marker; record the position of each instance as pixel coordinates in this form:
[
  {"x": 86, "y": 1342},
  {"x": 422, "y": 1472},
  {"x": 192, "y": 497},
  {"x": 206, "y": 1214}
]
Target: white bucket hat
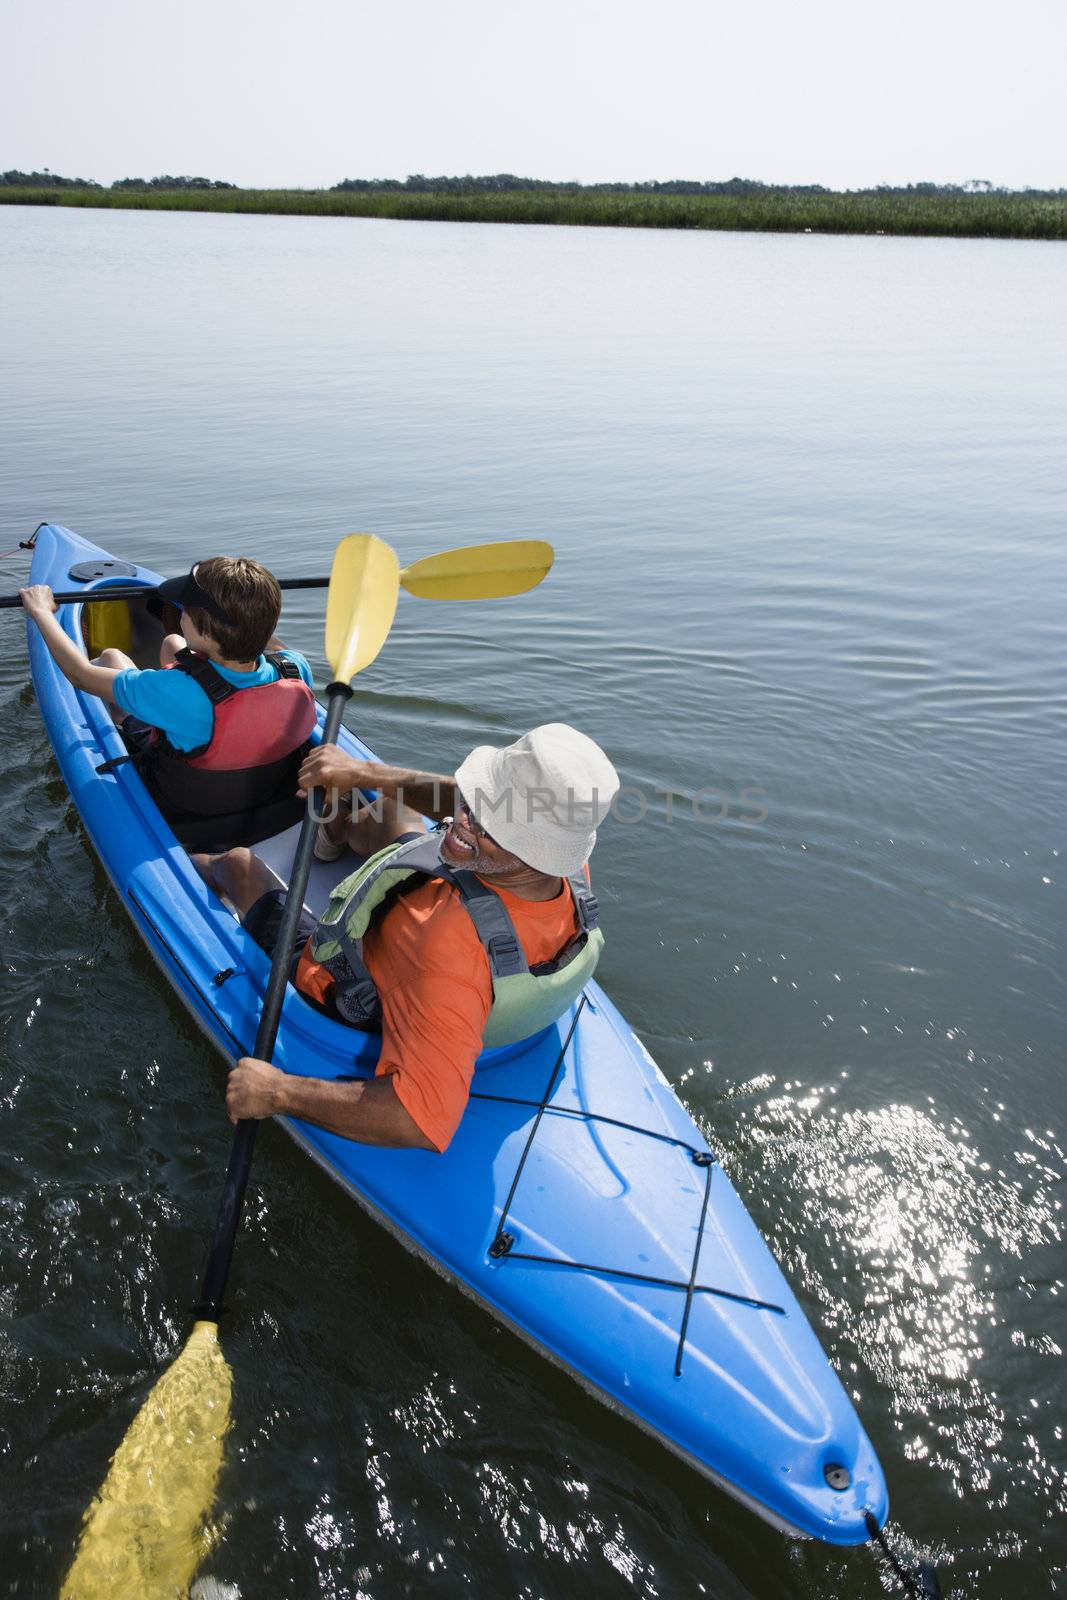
[{"x": 542, "y": 797}]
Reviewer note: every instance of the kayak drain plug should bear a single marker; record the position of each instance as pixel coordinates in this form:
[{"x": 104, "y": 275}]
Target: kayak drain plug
[
  {"x": 501, "y": 1245},
  {"x": 837, "y": 1477}
]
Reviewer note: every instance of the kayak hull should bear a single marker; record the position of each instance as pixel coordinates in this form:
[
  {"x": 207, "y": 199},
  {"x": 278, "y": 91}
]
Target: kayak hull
[{"x": 596, "y": 1224}]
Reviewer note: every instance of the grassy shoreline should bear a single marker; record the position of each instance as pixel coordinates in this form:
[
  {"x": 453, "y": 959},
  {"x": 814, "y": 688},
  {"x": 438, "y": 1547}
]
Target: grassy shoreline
[{"x": 988, "y": 216}]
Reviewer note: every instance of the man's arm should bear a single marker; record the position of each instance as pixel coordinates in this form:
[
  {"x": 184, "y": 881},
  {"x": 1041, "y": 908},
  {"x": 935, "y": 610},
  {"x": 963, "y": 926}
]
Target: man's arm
[
  {"x": 366, "y": 1110},
  {"x": 38, "y": 604},
  {"x": 433, "y": 794}
]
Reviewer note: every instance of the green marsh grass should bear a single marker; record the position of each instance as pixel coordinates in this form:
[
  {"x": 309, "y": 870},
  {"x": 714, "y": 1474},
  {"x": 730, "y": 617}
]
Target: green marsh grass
[{"x": 991, "y": 216}]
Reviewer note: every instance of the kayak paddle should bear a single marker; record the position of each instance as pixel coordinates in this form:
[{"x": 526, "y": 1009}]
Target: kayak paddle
[
  {"x": 146, "y": 1533},
  {"x": 473, "y": 572},
  {"x": 480, "y": 571}
]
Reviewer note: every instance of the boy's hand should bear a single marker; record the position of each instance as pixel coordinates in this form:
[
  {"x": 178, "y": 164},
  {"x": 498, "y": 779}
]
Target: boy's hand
[
  {"x": 253, "y": 1090},
  {"x": 37, "y": 600}
]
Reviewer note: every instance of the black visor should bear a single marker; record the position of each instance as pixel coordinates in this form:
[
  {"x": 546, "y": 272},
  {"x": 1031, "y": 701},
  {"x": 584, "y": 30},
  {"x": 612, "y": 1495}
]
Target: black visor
[{"x": 186, "y": 591}]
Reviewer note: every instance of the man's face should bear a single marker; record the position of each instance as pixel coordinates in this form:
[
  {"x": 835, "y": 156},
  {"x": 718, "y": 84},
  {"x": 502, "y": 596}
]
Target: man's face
[{"x": 468, "y": 846}]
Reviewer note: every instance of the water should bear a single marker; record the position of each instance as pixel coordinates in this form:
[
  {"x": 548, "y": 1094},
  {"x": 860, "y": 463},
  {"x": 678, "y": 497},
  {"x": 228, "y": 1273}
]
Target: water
[{"x": 808, "y": 502}]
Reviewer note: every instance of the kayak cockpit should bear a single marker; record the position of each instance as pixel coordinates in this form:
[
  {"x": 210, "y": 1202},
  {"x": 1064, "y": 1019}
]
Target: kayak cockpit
[{"x": 136, "y": 627}]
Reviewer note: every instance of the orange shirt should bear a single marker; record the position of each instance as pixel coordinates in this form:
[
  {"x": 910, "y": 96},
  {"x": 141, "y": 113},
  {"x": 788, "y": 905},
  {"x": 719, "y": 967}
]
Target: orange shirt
[{"x": 433, "y": 980}]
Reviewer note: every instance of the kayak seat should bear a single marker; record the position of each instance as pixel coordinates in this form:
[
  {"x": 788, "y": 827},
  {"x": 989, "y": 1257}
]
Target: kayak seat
[{"x": 277, "y": 852}]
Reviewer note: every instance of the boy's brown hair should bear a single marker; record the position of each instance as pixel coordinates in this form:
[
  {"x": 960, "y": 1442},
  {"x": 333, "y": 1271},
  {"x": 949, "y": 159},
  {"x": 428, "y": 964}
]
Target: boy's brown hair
[{"x": 249, "y": 594}]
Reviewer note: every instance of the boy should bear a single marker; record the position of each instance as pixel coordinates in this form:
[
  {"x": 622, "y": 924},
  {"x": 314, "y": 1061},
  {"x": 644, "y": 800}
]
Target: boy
[{"x": 220, "y": 730}]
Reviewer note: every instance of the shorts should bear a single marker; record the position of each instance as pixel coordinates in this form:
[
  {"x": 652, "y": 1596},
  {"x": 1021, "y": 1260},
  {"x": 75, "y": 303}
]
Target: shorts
[
  {"x": 263, "y": 921},
  {"x": 137, "y": 736}
]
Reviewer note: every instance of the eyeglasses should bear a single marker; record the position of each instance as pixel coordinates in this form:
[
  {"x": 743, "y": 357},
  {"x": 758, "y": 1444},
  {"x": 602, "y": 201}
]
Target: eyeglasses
[{"x": 472, "y": 822}]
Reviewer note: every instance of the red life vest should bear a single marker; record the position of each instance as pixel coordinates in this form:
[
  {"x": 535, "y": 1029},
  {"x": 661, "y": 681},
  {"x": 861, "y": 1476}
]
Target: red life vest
[{"x": 239, "y": 787}]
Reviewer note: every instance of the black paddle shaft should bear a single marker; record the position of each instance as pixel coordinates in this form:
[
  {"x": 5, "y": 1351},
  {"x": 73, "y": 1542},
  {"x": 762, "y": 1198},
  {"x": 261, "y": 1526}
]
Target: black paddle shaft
[
  {"x": 209, "y": 1306},
  {"x": 140, "y": 591}
]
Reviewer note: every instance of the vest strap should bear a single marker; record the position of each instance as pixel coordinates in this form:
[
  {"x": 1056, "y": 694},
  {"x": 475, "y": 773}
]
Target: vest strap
[
  {"x": 493, "y": 925},
  {"x": 202, "y": 672},
  {"x": 355, "y": 993},
  {"x": 284, "y": 666},
  {"x": 585, "y": 903}
]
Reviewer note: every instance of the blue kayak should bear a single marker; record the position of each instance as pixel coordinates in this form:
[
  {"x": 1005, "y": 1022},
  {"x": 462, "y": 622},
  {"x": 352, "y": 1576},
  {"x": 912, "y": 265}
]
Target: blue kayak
[{"x": 578, "y": 1202}]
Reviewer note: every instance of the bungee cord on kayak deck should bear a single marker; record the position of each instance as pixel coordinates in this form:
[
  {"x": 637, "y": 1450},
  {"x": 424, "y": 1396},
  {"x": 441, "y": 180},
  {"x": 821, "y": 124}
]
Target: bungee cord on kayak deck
[
  {"x": 922, "y": 1584},
  {"x": 503, "y": 1241},
  {"x": 503, "y": 1244}
]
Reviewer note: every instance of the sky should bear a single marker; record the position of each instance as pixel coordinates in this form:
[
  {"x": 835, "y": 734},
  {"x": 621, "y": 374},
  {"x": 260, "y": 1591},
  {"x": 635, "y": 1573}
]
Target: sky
[{"x": 266, "y": 93}]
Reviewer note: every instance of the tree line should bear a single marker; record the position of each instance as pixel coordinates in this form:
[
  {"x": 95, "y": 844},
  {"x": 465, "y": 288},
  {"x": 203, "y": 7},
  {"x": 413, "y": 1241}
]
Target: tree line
[
  {"x": 509, "y": 183},
  {"x": 52, "y": 180}
]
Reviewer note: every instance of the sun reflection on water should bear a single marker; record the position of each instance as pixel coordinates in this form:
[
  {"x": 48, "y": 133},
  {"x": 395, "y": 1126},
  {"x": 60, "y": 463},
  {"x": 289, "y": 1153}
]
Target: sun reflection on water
[{"x": 928, "y": 1273}]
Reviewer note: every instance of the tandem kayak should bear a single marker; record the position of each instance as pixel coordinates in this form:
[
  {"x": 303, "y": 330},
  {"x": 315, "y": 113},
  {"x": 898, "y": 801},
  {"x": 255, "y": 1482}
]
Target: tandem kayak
[{"x": 578, "y": 1201}]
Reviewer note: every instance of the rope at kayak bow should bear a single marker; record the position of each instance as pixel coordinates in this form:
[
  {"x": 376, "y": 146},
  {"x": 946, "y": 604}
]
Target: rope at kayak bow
[
  {"x": 25, "y": 544},
  {"x": 503, "y": 1243},
  {"x": 922, "y": 1584}
]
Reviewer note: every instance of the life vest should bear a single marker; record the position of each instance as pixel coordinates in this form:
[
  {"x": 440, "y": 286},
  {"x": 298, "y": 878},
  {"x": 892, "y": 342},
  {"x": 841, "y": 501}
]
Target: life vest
[
  {"x": 239, "y": 787},
  {"x": 525, "y": 999}
]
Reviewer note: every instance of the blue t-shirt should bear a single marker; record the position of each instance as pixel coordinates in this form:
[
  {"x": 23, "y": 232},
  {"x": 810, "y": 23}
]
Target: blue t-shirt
[{"x": 171, "y": 700}]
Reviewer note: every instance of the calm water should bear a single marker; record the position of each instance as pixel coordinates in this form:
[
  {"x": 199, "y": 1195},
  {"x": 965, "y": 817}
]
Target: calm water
[{"x": 808, "y": 500}]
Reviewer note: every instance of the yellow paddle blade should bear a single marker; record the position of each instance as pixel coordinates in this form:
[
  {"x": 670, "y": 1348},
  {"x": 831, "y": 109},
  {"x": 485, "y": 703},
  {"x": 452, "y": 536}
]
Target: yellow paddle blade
[
  {"x": 145, "y": 1534},
  {"x": 480, "y": 571},
  {"x": 361, "y": 603}
]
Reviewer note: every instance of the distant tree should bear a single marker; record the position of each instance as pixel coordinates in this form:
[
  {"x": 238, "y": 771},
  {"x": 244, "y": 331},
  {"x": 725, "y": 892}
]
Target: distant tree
[
  {"x": 45, "y": 180},
  {"x": 169, "y": 182}
]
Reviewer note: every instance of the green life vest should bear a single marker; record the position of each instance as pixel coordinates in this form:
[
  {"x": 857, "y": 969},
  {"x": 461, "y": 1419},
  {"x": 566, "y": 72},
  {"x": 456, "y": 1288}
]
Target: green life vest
[{"x": 525, "y": 999}]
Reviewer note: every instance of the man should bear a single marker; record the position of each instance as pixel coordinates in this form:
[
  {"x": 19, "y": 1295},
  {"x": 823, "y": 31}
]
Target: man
[{"x": 478, "y": 934}]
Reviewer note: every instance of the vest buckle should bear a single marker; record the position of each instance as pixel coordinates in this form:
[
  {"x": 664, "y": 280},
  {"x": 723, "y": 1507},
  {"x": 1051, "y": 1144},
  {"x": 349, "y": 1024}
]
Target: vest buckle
[
  {"x": 357, "y": 997},
  {"x": 505, "y": 954},
  {"x": 588, "y": 908}
]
